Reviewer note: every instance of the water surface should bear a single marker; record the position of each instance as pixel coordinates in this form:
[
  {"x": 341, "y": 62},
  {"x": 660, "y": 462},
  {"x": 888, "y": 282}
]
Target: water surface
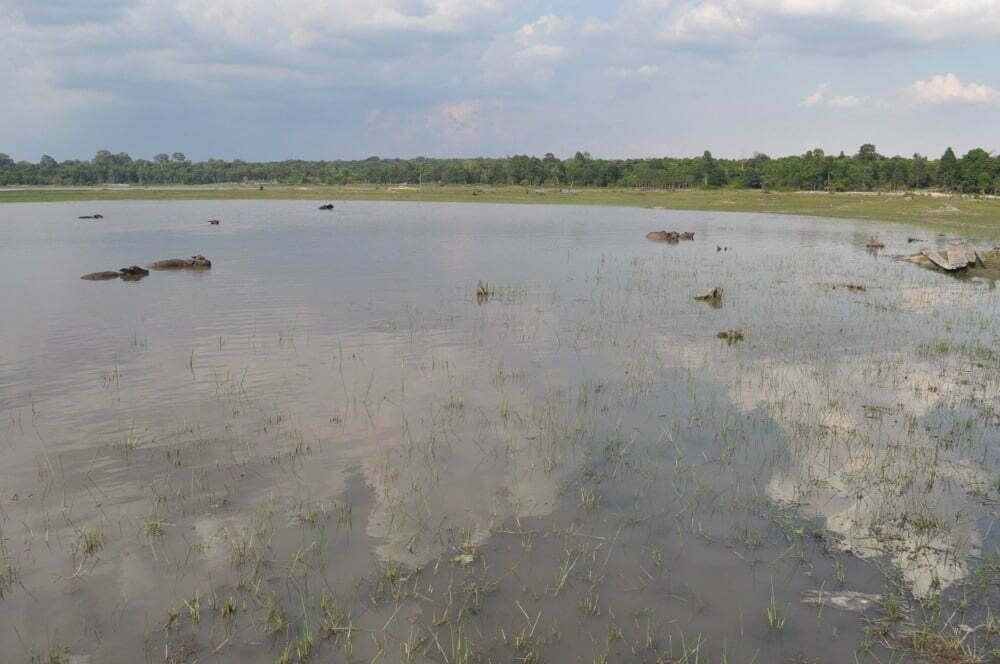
[{"x": 328, "y": 447}]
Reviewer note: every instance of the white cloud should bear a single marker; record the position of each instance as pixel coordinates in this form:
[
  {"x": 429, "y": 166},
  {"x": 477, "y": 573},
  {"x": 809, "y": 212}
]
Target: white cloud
[
  {"x": 41, "y": 99},
  {"x": 457, "y": 121},
  {"x": 947, "y": 88},
  {"x": 821, "y": 97},
  {"x": 817, "y": 97},
  {"x": 540, "y": 40},
  {"x": 309, "y": 22},
  {"x": 939, "y": 89},
  {"x": 642, "y": 71},
  {"x": 531, "y": 54},
  {"x": 706, "y": 22},
  {"x": 916, "y": 20},
  {"x": 848, "y": 101},
  {"x": 593, "y": 27},
  {"x": 811, "y": 25},
  {"x": 544, "y": 27},
  {"x": 548, "y": 52},
  {"x": 89, "y": 67}
]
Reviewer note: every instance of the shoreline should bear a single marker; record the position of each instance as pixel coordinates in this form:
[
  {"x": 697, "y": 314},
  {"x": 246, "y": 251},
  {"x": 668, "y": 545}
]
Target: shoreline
[{"x": 946, "y": 212}]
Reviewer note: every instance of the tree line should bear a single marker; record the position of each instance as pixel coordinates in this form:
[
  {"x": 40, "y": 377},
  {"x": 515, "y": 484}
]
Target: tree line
[{"x": 976, "y": 172}]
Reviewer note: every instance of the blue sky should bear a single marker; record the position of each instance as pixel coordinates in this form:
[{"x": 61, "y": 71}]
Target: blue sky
[{"x": 324, "y": 79}]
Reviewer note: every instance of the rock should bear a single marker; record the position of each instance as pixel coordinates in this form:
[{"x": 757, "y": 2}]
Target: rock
[
  {"x": 961, "y": 255},
  {"x": 845, "y": 600},
  {"x": 195, "y": 263},
  {"x": 917, "y": 259},
  {"x": 731, "y": 336},
  {"x": 712, "y": 295},
  {"x": 483, "y": 292}
]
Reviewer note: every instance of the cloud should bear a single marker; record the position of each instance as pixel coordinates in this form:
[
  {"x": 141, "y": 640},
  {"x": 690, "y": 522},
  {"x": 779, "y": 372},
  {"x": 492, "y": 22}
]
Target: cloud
[
  {"x": 848, "y": 101},
  {"x": 312, "y": 22},
  {"x": 840, "y": 26},
  {"x": 947, "y": 88},
  {"x": 821, "y": 97},
  {"x": 530, "y": 56},
  {"x": 40, "y": 98},
  {"x": 543, "y": 39},
  {"x": 707, "y": 22},
  {"x": 591, "y": 27},
  {"x": 939, "y": 89},
  {"x": 642, "y": 71},
  {"x": 921, "y": 21},
  {"x": 457, "y": 121},
  {"x": 211, "y": 73},
  {"x": 817, "y": 97},
  {"x": 545, "y": 52}
]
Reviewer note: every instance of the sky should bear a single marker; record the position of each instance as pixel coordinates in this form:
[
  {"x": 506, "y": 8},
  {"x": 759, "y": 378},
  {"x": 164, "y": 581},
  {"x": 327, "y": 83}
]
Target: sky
[{"x": 345, "y": 79}]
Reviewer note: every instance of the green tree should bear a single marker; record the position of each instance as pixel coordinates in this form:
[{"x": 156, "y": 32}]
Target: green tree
[
  {"x": 948, "y": 169},
  {"x": 975, "y": 171},
  {"x": 708, "y": 171},
  {"x": 868, "y": 153}
]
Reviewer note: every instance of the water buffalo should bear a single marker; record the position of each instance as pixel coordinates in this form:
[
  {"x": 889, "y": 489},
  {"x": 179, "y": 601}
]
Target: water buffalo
[
  {"x": 133, "y": 273},
  {"x": 195, "y": 262},
  {"x": 214, "y": 222},
  {"x": 101, "y": 276},
  {"x": 673, "y": 237},
  {"x": 92, "y": 216},
  {"x": 328, "y": 206},
  {"x": 130, "y": 273}
]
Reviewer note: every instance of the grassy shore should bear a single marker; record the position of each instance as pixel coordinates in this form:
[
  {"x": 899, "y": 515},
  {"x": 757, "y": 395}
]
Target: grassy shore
[{"x": 963, "y": 214}]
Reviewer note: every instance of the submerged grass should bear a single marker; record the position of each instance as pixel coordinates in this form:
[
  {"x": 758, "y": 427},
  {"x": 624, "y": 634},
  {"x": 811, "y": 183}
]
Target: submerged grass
[{"x": 584, "y": 475}]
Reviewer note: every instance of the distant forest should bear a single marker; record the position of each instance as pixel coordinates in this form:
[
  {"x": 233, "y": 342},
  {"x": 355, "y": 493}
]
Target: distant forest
[{"x": 976, "y": 172}]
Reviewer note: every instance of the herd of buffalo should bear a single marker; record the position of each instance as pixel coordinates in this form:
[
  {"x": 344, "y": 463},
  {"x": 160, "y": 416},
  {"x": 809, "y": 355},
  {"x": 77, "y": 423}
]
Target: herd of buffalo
[{"x": 135, "y": 273}]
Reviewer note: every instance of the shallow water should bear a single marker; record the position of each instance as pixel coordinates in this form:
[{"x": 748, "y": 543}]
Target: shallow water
[{"x": 326, "y": 447}]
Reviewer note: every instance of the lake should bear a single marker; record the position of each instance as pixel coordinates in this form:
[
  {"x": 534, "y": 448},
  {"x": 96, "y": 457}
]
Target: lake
[{"x": 328, "y": 448}]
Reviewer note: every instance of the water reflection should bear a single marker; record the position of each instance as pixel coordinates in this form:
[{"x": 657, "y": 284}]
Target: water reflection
[{"x": 418, "y": 385}]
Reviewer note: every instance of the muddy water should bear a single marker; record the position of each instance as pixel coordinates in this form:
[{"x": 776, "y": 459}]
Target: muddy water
[{"x": 327, "y": 448}]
